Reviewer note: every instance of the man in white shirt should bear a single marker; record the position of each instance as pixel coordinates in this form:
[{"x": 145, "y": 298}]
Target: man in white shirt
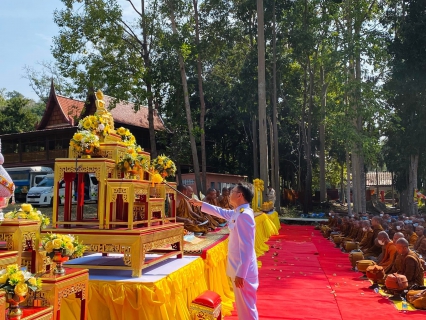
[
  {"x": 242, "y": 263},
  {"x": 271, "y": 194}
]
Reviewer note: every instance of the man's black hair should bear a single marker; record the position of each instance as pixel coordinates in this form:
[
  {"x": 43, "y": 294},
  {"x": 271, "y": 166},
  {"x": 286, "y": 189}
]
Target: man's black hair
[{"x": 246, "y": 191}]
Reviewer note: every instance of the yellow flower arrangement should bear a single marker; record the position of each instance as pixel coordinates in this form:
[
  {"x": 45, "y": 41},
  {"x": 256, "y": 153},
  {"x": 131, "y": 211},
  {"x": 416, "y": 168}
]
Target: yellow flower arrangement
[
  {"x": 68, "y": 245},
  {"x": 26, "y": 211},
  {"x": 15, "y": 281},
  {"x": 126, "y": 136},
  {"x": 94, "y": 124},
  {"x": 164, "y": 166},
  {"x": 85, "y": 142},
  {"x": 133, "y": 161}
]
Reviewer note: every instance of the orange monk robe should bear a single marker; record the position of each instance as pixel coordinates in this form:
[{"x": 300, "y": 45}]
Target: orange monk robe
[
  {"x": 213, "y": 224},
  {"x": 224, "y": 203},
  {"x": 214, "y": 202},
  {"x": 389, "y": 254},
  {"x": 182, "y": 211},
  {"x": 412, "y": 239},
  {"x": 420, "y": 246}
]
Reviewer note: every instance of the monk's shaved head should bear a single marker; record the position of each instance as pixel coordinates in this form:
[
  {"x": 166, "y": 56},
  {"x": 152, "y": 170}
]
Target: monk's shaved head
[{"x": 382, "y": 235}]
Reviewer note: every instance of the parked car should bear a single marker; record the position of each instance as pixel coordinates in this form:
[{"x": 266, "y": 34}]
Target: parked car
[
  {"x": 43, "y": 193},
  {"x": 25, "y": 178}
]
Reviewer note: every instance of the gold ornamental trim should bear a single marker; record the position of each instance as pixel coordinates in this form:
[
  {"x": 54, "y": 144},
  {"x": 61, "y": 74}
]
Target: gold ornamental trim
[{"x": 205, "y": 313}]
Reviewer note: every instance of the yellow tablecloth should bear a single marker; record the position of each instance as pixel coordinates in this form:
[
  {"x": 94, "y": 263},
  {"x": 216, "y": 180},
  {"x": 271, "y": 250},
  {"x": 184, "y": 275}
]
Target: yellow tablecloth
[
  {"x": 166, "y": 299},
  {"x": 275, "y": 219},
  {"x": 216, "y": 278},
  {"x": 265, "y": 228}
]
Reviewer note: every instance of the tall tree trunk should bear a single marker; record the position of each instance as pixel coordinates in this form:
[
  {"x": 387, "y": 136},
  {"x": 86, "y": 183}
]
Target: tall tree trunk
[
  {"x": 304, "y": 137},
  {"x": 412, "y": 184},
  {"x": 202, "y": 102},
  {"x": 255, "y": 149},
  {"x": 348, "y": 183},
  {"x": 377, "y": 183},
  {"x": 271, "y": 151},
  {"x": 323, "y": 188},
  {"x": 308, "y": 140},
  {"x": 355, "y": 181},
  {"x": 276, "y": 171},
  {"x": 148, "y": 83},
  {"x": 342, "y": 182},
  {"x": 263, "y": 142},
  {"x": 187, "y": 107}
]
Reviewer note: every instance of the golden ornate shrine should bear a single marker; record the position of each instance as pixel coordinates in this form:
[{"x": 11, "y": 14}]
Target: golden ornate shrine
[{"x": 131, "y": 216}]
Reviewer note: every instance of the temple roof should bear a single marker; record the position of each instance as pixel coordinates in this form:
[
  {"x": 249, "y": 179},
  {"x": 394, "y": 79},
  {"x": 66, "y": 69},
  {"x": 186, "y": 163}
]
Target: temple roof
[{"x": 65, "y": 112}]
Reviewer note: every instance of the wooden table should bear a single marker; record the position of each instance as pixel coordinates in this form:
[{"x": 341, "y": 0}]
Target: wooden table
[
  {"x": 133, "y": 244},
  {"x": 57, "y": 286},
  {"x": 20, "y": 235}
]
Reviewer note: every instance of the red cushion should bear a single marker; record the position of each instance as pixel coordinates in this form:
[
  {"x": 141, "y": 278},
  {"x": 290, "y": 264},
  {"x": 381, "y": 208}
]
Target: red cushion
[{"x": 208, "y": 299}]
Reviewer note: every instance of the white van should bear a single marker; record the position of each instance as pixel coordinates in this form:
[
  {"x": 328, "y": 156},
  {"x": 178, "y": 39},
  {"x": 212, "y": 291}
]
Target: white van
[
  {"x": 25, "y": 178},
  {"x": 42, "y": 194}
]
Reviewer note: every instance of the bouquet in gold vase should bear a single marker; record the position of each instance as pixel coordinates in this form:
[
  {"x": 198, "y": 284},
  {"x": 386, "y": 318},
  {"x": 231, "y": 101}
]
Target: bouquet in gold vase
[
  {"x": 126, "y": 136},
  {"x": 17, "y": 283},
  {"x": 60, "y": 247},
  {"x": 164, "y": 166},
  {"x": 26, "y": 211},
  {"x": 85, "y": 143},
  {"x": 132, "y": 162}
]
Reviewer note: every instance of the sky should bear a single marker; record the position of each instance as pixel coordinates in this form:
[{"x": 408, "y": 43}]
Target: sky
[{"x": 26, "y": 31}]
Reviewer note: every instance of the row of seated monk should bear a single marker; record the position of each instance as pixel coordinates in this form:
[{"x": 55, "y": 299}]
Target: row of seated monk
[
  {"x": 397, "y": 247},
  {"x": 193, "y": 218}
]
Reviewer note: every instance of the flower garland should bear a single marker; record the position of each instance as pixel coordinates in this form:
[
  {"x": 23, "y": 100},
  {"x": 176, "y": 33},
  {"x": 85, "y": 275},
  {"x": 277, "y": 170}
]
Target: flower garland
[
  {"x": 85, "y": 142},
  {"x": 26, "y": 211},
  {"x": 164, "y": 166},
  {"x": 68, "y": 245},
  {"x": 15, "y": 281}
]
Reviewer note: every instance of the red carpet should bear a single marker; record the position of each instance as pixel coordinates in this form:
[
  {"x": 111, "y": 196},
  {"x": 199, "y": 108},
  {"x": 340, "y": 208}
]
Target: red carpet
[{"x": 304, "y": 277}]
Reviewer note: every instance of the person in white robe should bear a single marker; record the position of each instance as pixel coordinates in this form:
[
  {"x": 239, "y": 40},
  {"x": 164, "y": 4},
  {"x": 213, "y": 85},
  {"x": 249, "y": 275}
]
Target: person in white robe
[{"x": 242, "y": 263}]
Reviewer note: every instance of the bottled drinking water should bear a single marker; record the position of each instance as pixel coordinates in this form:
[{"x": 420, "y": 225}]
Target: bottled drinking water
[
  {"x": 404, "y": 305},
  {"x": 376, "y": 290}
]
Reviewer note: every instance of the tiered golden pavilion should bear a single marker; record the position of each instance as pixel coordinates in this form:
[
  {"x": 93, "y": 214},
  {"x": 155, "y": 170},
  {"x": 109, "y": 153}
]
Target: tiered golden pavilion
[{"x": 131, "y": 217}]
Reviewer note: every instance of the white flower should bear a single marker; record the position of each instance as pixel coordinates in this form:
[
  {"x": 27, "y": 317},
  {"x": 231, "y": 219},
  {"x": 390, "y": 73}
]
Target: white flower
[
  {"x": 101, "y": 127},
  {"x": 27, "y": 275}
]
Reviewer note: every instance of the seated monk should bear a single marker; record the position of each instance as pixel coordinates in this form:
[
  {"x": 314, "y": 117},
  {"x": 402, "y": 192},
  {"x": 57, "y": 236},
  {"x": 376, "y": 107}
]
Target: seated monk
[
  {"x": 224, "y": 199},
  {"x": 411, "y": 266},
  {"x": 360, "y": 234},
  {"x": 367, "y": 239},
  {"x": 389, "y": 251},
  {"x": 211, "y": 198},
  {"x": 410, "y": 235},
  {"x": 396, "y": 264},
  {"x": 184, "y": 214},
  {"x": 374, "y": 249},
  {"x": 420, "y": 245},
  {"x": 213, "y": 224}
]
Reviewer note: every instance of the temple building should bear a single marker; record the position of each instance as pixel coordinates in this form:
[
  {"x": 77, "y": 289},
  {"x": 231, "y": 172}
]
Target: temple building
[{"x": 51, "y": 137}]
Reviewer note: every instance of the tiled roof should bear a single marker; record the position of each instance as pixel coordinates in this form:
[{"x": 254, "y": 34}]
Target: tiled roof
[
  {"x": 124, "y": 113},
  {"x": 385, "y": 178},
  {"x": 70, "y": 107}
]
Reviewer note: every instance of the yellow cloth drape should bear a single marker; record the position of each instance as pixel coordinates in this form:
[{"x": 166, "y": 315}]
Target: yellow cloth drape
[
  {"x": 216, "y": 278},
  {"x": 265, "y": 228},
  {"x": 275, "y": 219},
  {"x": 166, "y": 299}
]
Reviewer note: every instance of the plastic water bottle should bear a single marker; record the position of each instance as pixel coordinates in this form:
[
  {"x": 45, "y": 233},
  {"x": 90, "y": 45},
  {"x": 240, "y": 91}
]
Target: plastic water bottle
[
  {"x": 404, "y": 305},
  {"x": 376, "y": 290}
]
